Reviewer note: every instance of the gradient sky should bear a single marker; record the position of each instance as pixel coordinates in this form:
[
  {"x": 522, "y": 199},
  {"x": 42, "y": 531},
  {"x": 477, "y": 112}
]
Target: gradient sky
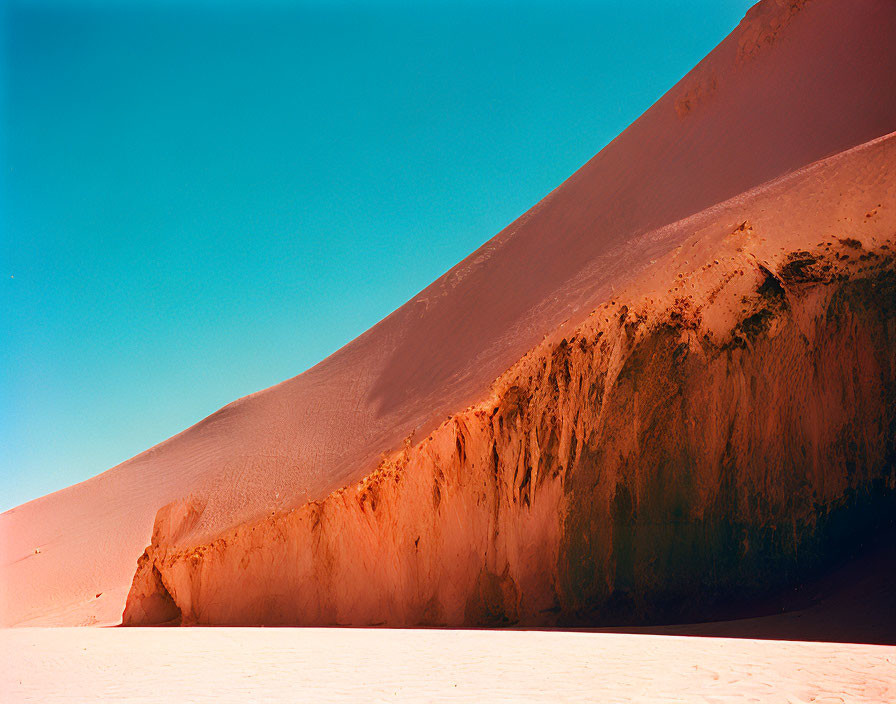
[{"x": 201, "y": 199}]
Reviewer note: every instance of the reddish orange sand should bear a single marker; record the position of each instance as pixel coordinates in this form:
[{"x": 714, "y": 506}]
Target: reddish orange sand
[
  {"x": 795, "y": 82},
  {"x": 451, "y": 531},
  {"x": 325, "y": 665}
]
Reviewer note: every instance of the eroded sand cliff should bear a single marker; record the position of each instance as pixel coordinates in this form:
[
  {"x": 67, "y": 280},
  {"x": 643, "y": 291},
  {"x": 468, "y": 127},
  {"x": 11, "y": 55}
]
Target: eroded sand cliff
[{"x": 720, "y": 428}]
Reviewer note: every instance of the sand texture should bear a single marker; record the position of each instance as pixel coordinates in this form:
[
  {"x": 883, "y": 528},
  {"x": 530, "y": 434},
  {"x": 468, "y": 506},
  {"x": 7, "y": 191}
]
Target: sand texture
[{"x": 329, "y": 665}]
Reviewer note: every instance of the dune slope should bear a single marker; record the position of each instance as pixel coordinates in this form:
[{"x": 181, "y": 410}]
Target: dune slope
[
  {"x": 722, "y": 428},
  {"x": 794, "y": 83}
]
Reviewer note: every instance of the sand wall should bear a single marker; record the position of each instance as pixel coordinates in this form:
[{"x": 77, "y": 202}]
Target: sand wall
[{"x": 671, "y": 453}]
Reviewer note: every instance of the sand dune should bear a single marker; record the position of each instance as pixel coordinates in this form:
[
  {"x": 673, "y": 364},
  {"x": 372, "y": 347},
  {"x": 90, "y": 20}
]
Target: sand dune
[
  {"x": 719, "y": 429},
  {"x": 794, "y": 83}
]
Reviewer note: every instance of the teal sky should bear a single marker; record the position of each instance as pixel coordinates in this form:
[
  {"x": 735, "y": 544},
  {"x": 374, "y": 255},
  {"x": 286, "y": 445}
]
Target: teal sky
[{"x": 202, "y": 199}]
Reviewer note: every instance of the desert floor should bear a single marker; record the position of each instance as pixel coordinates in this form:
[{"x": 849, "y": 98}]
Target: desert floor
[{"x": 312, "y": 664}]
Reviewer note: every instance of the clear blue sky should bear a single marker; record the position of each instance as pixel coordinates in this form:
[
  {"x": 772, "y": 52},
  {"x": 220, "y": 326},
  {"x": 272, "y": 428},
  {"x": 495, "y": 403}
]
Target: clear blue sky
[{"x": 202, "y": 199}]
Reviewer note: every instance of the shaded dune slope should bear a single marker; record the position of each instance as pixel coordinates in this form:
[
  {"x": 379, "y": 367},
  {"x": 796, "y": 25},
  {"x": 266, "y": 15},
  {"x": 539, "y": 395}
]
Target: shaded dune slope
[{"x": 794, "y": 83}]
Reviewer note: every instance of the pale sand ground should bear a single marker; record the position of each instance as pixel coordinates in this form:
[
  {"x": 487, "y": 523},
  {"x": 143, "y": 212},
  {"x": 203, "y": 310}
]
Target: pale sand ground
[{"x": 322, "y": 665}]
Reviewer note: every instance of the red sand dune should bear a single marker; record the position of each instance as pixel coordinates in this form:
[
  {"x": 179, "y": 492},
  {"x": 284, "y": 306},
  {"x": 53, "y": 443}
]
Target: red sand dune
[
  {"x": 721, "y": 428},
  {"x": 794, "y": 83}
]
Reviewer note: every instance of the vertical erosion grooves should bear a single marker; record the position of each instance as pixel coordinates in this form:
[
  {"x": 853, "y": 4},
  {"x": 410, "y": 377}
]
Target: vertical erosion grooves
[{"x": 646, "y": 466}]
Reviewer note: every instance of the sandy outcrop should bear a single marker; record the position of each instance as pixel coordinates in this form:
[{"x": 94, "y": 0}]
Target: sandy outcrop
[{"x": 721, "y": 428}]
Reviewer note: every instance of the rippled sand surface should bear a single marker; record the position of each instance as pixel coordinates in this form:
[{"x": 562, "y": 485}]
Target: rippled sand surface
[{"x": 348, "y": 665}]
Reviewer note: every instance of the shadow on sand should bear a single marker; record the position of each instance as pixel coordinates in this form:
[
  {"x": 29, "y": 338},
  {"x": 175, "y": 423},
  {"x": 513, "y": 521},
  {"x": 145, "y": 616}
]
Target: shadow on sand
[{"x": 856, "y": 603}]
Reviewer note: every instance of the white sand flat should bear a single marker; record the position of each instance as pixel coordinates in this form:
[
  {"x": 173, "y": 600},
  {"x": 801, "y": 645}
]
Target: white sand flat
[{"x": 324, "y": 665}]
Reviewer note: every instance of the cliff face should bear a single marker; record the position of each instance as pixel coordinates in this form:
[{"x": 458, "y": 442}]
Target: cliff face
[{"x": 716, "y": 431}]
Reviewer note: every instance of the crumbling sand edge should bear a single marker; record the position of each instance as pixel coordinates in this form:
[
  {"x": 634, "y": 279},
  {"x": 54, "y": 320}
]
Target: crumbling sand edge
[{"x": 653, "y": 460}]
